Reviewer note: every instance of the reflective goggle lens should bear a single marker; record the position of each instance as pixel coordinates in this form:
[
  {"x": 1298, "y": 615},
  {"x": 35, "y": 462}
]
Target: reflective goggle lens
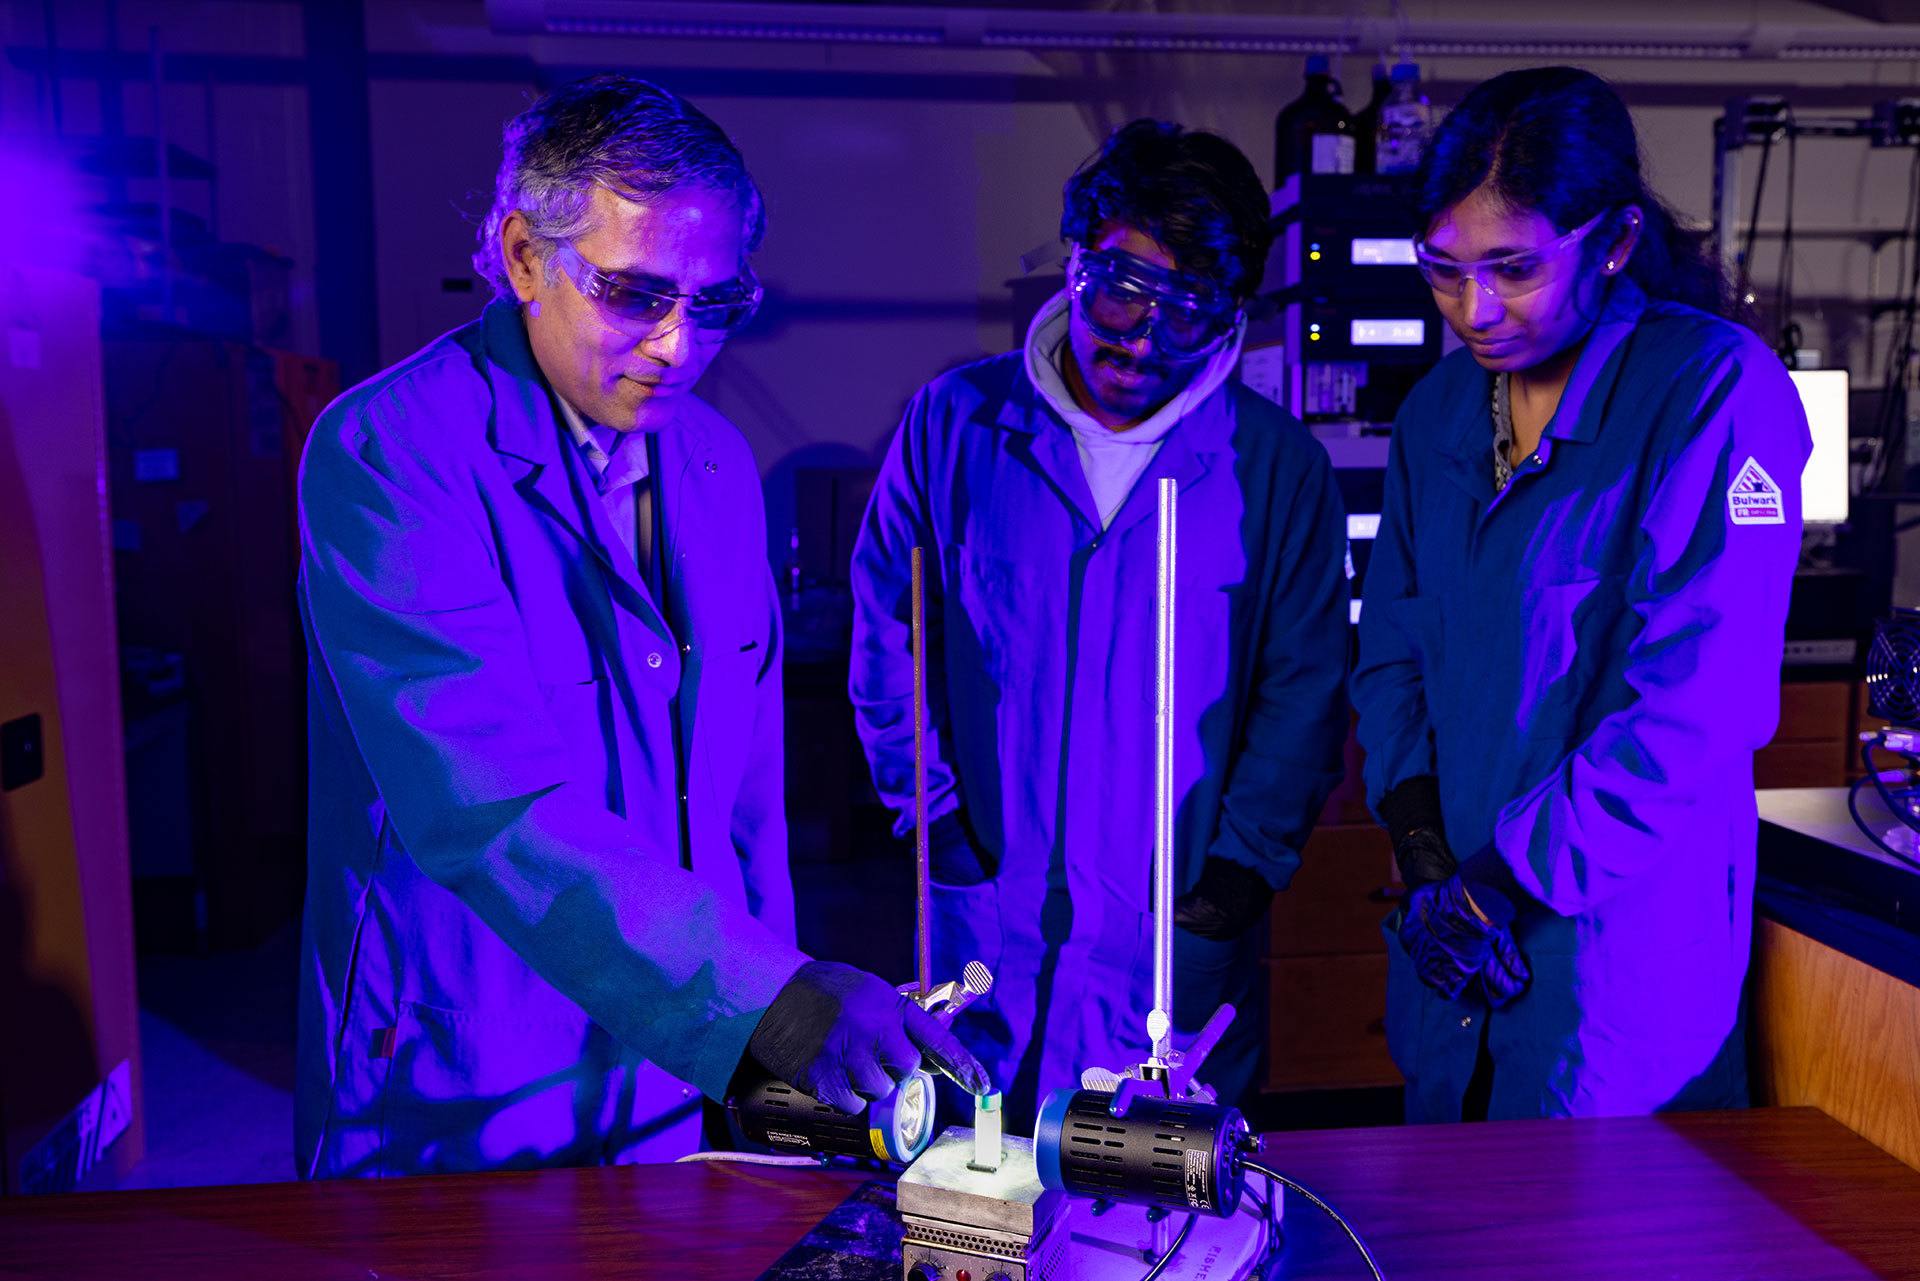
[
  {"x": 723, "y": 310},
  {"x": 1119, "y": 307},
  {"x": 1505, "y": 277},
  {"x": 1513, "y": 276}
]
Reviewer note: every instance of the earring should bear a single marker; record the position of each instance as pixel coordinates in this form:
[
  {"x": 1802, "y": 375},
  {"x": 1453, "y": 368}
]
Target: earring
[
  {"x": 1609, "y": 264},
  {"x": 533, "y": 308}
]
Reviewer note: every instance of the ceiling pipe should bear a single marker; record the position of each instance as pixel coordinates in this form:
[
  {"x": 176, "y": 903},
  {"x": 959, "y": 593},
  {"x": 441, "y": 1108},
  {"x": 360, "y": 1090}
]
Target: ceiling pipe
[{"x": 1108, "y": 31}]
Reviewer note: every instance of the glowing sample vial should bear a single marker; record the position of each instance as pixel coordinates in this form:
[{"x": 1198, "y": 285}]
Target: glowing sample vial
[{"x": 987, "y": 1118}]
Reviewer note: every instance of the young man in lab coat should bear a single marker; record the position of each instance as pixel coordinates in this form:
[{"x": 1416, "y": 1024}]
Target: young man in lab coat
[
  {"x": 1029, "y": 479},
  {"x": 548, "y": 905}
]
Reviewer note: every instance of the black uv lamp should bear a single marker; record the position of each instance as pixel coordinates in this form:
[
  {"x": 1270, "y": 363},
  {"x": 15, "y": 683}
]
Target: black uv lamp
[
  {"x": 1142, "y": 1149},
  {"x": 771, "y": 1114}
]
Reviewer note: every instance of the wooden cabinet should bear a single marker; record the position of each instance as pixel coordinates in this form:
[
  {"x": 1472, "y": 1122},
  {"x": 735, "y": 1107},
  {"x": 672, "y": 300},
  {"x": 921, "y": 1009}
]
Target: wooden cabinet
[
  {"x": 1814, "y": 745},
  {"x": 1838, "y": 1034},
  {"x": 1327, "y": 965}
]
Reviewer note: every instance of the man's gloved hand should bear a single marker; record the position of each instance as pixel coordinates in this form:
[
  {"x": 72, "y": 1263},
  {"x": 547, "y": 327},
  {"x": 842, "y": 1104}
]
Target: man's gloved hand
[
  {"x": 952, "y": 857},
  {"x": 1452, "y": 945},
  {"x": 842, "y": 1035},
  {"x": 1227, "y": 901},
  {"x": 1411, "y": 812}
]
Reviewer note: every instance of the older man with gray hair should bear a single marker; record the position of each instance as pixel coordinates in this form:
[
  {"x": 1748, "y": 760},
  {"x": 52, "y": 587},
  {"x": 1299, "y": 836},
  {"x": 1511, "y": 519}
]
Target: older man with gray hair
[{"x": 548, "y": 905}]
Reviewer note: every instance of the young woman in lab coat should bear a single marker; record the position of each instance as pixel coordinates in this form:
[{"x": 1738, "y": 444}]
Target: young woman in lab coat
[{"x": 1571, "y": 638}]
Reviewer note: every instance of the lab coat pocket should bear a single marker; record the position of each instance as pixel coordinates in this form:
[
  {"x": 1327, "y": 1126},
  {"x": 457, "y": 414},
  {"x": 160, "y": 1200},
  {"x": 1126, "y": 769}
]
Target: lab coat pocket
[
  {"x": 469, "y": 1092},
  {"x": 1560, "y": 652}
]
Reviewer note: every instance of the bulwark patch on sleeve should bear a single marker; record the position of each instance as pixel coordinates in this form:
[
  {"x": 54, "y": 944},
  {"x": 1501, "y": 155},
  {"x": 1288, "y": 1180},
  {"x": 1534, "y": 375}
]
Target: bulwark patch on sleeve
[{"x": 1753, "y": 498}]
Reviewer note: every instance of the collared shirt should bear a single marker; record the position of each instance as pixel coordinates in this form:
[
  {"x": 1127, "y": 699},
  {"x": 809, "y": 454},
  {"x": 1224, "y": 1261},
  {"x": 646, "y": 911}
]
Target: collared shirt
[{"x": 618, "y": 461}]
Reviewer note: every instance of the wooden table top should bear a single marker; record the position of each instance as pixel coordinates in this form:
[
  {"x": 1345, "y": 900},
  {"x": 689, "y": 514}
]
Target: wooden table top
[{"x": 1772, "y": 1193}]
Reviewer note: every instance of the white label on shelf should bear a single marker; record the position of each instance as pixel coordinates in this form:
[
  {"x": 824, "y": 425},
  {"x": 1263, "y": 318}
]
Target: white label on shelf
[
  {"x": 1388, "y": 333},
  {"x": 1367, "y": 251}
]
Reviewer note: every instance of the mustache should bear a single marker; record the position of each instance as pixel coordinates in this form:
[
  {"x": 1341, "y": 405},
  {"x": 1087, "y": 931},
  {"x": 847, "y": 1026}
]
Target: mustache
[{"x": 1127, "y": 362}]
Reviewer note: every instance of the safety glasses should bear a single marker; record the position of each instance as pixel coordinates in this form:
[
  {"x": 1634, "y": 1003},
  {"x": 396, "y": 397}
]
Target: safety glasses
[
  {"x": 1123, "y": 299},
  {"x": 641, "y": 310},
  {"x": 1506, "y": 277}
]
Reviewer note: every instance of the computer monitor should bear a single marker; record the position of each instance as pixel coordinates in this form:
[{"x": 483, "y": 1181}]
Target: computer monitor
[{"x": 1824, "y": 485}]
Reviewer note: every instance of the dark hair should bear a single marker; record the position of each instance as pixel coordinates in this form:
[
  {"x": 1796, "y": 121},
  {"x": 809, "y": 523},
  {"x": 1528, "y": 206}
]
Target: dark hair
[
  {"x": 632, "y": 137},
  {"x": 1558, "y": 140},
  {"x": 1194, "y": 192}
]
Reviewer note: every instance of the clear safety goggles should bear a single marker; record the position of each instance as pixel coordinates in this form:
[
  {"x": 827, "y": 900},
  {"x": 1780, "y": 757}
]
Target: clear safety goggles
[
  {"x": 1123, "y": 299},
  {"x": 641, "y": 309},
  {"x": 1505, "y": 277}
]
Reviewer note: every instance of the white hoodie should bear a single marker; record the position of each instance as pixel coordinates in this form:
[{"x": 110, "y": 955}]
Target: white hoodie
[{"x": 1113, "y": 460}]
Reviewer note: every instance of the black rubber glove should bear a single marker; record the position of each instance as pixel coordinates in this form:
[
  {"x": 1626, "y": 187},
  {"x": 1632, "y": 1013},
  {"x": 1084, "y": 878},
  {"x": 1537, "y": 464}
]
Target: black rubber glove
[
  {"x": 1411, "y": 812},
  {"x": 952, "y": 856},
  {"x": 842, "y": 1035},
  {"x": 1452, "y": 948},
  {"x": 1227, "y": 901},
  {"x": 1424, "y": 858}
]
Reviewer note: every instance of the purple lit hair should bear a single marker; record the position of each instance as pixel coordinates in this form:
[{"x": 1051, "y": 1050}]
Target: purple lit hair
[{"x": 634, "y": 138}]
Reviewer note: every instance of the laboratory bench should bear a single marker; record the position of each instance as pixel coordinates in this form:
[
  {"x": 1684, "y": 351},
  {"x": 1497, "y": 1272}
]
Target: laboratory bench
[
  {"x": 1835, "y": 987},
  {"x": 1772, "y": 1193}
]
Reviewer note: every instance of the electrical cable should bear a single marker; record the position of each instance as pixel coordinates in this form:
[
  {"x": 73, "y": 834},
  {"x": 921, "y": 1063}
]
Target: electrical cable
[
  {"x": 1180, "y": 1239},
  {"x": 1744, "y": 276},
  {"x": 749, "y": 1158},
  {"x": 1326, "y": 1209},
  {"x": 1897, "y": 810}
]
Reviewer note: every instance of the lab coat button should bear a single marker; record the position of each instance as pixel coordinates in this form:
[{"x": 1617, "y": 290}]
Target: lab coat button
[{"x": 654, "y": 660}]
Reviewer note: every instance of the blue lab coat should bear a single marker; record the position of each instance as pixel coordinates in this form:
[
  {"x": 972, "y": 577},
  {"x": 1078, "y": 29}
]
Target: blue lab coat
[
  {"x": 548, "y": 896},
  {"x": 1041, "y": 688},
  {"x": 1588, "y": 662}
]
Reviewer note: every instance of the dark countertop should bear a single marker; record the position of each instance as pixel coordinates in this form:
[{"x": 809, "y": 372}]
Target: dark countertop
[{"x": 1822, "y": 876}]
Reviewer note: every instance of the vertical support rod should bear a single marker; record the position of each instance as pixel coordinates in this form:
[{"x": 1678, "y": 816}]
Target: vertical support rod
[
  {"x": 1160, "y": 1021},
  {"x": 922, "y": 870}
]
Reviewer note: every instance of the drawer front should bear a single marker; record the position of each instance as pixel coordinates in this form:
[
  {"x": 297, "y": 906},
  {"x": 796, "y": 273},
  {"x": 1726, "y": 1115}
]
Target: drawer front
[
  {"x": 1327, "y": 1023},
  {"x": 1345, "y": 885},
  {"x": 1801, "y": 765},
  {"x": 1813, "y": 711}
]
